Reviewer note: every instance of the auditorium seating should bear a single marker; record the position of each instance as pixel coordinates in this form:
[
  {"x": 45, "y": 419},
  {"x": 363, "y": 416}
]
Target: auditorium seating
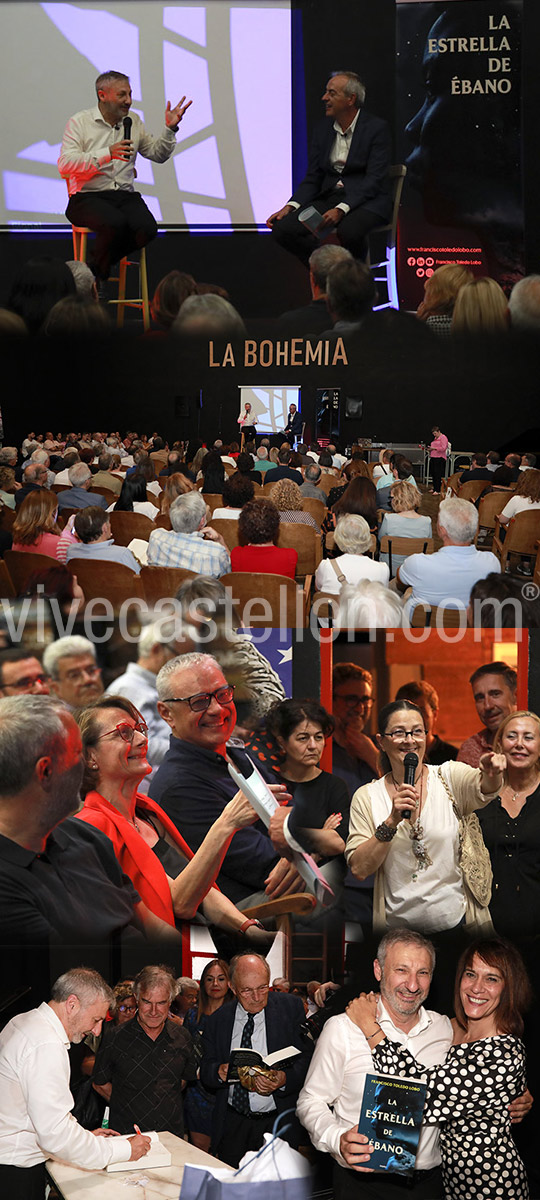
[
  {"x": 104, "y": 580},
  {"x": 522, "y": 534},
  {"x": 159, "y": 583},
  {"x": 128, "y": 525},
  {"x": 404, "y": 546},
  {"x": 269, "y": 601}
]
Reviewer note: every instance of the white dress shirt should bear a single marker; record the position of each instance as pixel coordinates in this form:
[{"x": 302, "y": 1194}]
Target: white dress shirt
[
  {"x": 330, "y": 1100},
  {"x": 85, "y": 157},
  {"x": 35, "y": 1100},
  {"x": 257, "y": 1104}
]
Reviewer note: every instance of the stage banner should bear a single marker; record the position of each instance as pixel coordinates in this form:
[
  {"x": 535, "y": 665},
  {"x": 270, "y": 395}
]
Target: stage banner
[{"x": 458, "y": 132}]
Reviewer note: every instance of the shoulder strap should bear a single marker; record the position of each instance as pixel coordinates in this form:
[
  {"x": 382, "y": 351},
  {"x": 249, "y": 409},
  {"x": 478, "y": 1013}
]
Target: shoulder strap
[{"x": 341, "y": 577}]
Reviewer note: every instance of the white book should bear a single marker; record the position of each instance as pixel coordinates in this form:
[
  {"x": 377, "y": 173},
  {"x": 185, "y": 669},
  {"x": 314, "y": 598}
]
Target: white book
[{"x": 158, "y": 1156}]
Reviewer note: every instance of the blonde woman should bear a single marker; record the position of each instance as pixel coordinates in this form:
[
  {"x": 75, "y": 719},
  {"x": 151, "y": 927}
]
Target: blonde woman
[
  {"x": 481, "y": 307},
  {"x": 404, "y": 520},
  {"x": 440, "y": 291},
  {"x": 287, "y": 497}
]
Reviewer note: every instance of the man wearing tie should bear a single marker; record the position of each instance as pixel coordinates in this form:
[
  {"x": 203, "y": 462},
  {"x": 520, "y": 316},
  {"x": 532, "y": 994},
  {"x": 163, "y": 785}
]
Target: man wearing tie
[
  {"x": 97, "y": 159},
  {"x": 264, "y": 1021}
]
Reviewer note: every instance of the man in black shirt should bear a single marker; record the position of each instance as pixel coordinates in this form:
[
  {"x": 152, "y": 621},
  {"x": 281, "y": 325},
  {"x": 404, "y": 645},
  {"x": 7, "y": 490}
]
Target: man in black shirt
[
  {"x": 423, "y": 694},
  {"x": 142, "y": 1065}
]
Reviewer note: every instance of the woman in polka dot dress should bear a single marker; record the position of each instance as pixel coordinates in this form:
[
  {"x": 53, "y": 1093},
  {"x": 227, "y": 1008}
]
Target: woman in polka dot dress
[{"x": 468, "y": 1095}]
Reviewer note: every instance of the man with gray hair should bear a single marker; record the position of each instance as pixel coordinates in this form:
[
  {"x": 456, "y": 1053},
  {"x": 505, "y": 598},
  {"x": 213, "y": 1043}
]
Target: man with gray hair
[
  {"x": 313, "y": 317},
  {"x": 347, "y": 178},
  {"x": 262, "y": 462},
  {"x": 35, "y": 1100},
  {"x": 312, "y": 475},
  {"x": 191, "y": 543},
  {"x": 41, "y": 457},
  {"x": 77, "y": 496},
  {"x": 74, "y": 676},
  {"x": 34, "y": 478},
  {"x": 446, "y": 577},
  {"x": 140, "y": 1069},
  {"x": 104, "y": 477},
  {"x": 524, "y": 304},
  {"x": 85, "y": 281},
  {"x": 61, "y": 885}
]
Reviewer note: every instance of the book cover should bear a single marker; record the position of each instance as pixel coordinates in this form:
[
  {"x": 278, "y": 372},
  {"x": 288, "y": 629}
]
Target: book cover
[
  {"x": 279, "y": 1060},
  {"x": 391, "y": 1117}
]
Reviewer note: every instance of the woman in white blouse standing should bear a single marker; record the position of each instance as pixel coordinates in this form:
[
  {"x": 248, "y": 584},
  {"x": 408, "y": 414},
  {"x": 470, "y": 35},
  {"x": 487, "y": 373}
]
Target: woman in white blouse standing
[{"x": 409, "y": 834}]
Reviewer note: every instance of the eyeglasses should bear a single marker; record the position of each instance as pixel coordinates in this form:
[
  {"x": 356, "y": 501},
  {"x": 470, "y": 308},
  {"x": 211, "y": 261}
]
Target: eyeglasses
[
  {"x": 250, "y": 993},
  {"x": 27, "y": 683},
  {"x": 401, "y": 735},
  {"x": 79, "y": 673},
  {"x": 352, "y": 700},
  {"x": 203, "y": 700},
  {"x": 127, "y": 1008},
  {"x": 125, "y": 731}
]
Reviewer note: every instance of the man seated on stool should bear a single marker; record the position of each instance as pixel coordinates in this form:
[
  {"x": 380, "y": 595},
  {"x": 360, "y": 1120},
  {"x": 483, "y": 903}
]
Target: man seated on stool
[
  {"x": 98, "y": 162},
  {"x": 265, "y": 1022},
  {"x": 347, "y": 176}
]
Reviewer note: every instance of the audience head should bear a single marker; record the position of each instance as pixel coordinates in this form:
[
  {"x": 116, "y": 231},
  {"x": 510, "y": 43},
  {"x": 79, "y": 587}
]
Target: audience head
[
  {"x": 188, "y": 513},
  {"x": 404, "y": 497},
  {"x": 481, "y": 307},
  {"x": 75, "y": 317},
  {"x": 423, "y": 695},
  {"x": 286, "y": 496},
  {"x": 196, "y": 676},
  {"x": 258, "y": 523},
  {"x": 321, "y": 262},
  {"x": 174, "y": 486},
  {"x": 359, "y": 497},
  {"x": 369, "y": 605},
  {"x": 457, "y": 522},
  {"x": 250, "y": 981},
  {"x": 209, "y": 316},
  {"x": 21, "y": 672},
  {"x": 92, "y": 524},
  {"x": 350, "y": 291},
  {"x": 312, "y": 473},
  {"x": 441, "y": 289},
  {"x": 529, "y": 485},
  {"x": 494, "y": 688},
  {"x": 133, "y": 491},
  {"x": 75, "y": 677},
  {"x": 237, "y": 491},
  {"x": 36, "y": 515},
  {"x": 213, "y": 472},
  {"x": 352, "y": 534},
  {"x": 524, "y": 304},
  {"x": 37, "y": 287},
  {"x": 35, "y": 473},
  {"x": 497, "y": 602},
  {"x": 244, "y": 463},
  {"x": 33, "y": 728},
  {"x": 80, "y": 475},
  {"x": 169, "y": 296},
  {"x": 85, "y": 280}
]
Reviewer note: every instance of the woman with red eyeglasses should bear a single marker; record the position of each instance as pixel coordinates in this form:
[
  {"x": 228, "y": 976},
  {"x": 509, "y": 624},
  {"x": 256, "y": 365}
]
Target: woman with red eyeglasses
[{"x": 172, "y": 881}]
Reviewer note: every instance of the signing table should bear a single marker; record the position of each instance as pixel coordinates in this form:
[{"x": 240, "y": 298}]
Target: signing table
[{"x": 75, "y": 1184}]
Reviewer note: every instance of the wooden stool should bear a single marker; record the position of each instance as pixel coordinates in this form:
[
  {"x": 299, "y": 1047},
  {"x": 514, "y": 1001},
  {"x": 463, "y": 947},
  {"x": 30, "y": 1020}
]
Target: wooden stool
[{"x": 80, "y": 241}]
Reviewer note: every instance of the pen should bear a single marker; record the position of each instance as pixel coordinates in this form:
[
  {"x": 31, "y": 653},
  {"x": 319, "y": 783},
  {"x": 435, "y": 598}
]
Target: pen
[{"x": 137, "y": 1130}]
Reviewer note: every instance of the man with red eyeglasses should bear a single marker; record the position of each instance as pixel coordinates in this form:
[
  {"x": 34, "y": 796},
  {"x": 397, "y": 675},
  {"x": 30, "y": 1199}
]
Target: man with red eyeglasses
[
  {"x": 193, "y": 784},
  {"x": 21, "y": 671}
]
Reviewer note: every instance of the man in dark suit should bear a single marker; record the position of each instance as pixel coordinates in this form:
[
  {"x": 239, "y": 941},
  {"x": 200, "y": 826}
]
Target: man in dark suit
[
  {"x": 313, "y": 317},
  {"x": 267, "y": 1022},
  {"x": 347, "y": 177},
  {"x": 293, "y": 428}
]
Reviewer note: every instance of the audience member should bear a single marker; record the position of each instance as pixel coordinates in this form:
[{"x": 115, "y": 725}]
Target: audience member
[
  {"x": 440, "y": 291},
  {"x": 494, "y": 687},
  {"x": 313, "y": 317},
  {"x": 34, "y": 479},
  {"x": 287, "y": 498},
  {"x": 132, "y": 498},
  {"x": 78, "y": 495},
  {"x": 74, "y": 676},
  {"x": 193, "y": 784},
  {"x": 208, "y": 316},
  {"x": 524, "y": 304},
  {"x": 35, "y": 529},
  {"x": 351, "y": 294},
  {"x": 525, "y": 497},
  {"x": 368, "y": 605},
  {"x": 140, "y": 1068},
  {"x": 85, "y": 280},
  {"x": 258, "y": 531},
  {"x": 446, "y": 577},
  {"x": 404, "y": 521},
  {"x": 95, "y": 540},
  {"x": 155, "y": 647},
  {"x": 212, "y": 473},
  {"x": 481, "y": 307},
  {"x": 263, "y": 464},
  {"x": 353, "y": 537},
  {"x": 283, "y": 470},
  {"x": 266, "y": 1022},
  {"x": 74, "y": 317},
  {"x": 312, "y": 476},
  {"x": 37, "y": 287},
  {"x": 104, "y": 477},
  {"x": 527, "y": 461},
  {"x": 244, "y": 466},
  {"x": 423, "y": 695},
  {"x": 508, "y": 473},
  {"x": 498, "y": 602},
  {"x": 169, "y": 296},
  {"x": 191, "y": 543},
  {"x": 477, "y": 470},
  {"x": 237, "y": 491},
  {"x": 21, "y": 671}
]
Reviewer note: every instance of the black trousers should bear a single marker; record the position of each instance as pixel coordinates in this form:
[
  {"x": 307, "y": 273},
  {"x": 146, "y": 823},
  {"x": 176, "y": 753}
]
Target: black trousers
[
  {"x": 386, "y": 1185},
  {"x": 241, "y": 1134},
  {"x": 437, "y": 467},
  {"x": 351, "y": 231},
  {"x": 121, "y": 221},
  {"x": 23, "y": 1183}
]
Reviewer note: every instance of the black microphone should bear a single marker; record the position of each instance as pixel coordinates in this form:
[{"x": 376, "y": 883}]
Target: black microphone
[
  {"x": 127, "y": 128},
  {"x": 410, "y": 763}
]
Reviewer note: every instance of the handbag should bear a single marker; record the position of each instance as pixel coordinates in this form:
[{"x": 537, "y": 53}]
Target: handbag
[{"x": 474, "y": 860}]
